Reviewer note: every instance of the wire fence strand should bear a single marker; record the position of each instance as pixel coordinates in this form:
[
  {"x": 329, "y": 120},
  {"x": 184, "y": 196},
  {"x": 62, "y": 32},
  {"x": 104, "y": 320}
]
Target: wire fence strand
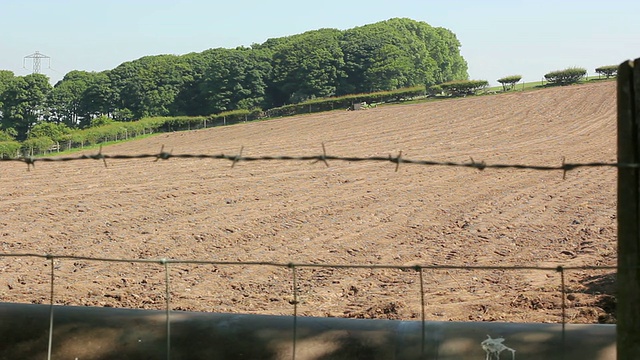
[
  {"x": 162, "y": 261},
  {"x": 50, "y": 345},
  {"x": 397, "y": 160}
]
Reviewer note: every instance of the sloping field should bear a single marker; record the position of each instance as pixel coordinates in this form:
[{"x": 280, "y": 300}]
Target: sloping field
[{"x": 347, "y": 213}]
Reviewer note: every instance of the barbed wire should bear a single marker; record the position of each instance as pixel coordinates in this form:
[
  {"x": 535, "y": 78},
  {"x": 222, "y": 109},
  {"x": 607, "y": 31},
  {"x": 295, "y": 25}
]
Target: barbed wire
[{"x": 324, "y": 158}]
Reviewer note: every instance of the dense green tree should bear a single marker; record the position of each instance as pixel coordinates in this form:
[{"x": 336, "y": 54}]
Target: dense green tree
[
  {"x": 8, "y": 135},
  {"x": 66, "y": 100},
  {"x": 6, "y": 77},
  {"x": 24, "y": 103},
  {"x": 450, "y": 63},
  {"x": 399, "y": 53},
  {"x": 100, "y": 97},
  {"x": 306, "y": 66},
  {"x": 390, "y": 69},
  {"x": 148, "y": 86},
  {"x": 387, "y": 55},
  {"x": 362, "y": 47},
  {"x": 190, "y": 100},
  {"x": 235, "y": 79}
]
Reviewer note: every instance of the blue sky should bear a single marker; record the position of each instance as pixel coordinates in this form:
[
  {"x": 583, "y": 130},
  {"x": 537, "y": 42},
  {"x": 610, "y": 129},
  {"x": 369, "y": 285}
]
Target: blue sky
[{"x": 499, "y": 37}]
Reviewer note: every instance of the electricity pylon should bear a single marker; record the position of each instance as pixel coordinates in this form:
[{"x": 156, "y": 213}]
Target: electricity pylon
[{"x": 37, "y": 58}]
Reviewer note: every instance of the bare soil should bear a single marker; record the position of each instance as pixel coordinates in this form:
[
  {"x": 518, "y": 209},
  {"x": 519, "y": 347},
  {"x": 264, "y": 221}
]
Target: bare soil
[{"x": 347, "y": 213}]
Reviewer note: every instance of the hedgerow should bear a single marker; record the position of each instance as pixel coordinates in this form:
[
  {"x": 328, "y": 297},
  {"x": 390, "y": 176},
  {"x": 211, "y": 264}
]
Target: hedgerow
[
  {"x": 608, "y": 70},
  {"x": 9, "y": 149},
  {"x": 37, "y": 145},
  {"x": 566, "y": 76},
  {"x": 344, "y": 102},
  {"x": 463, "y": 87}
]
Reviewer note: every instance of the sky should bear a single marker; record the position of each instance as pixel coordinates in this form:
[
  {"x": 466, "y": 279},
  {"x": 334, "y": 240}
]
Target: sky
[{"x": 498, "y": 37}]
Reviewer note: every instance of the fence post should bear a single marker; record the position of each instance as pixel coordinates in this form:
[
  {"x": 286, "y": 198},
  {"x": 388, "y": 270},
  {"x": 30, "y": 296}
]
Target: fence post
[{"x": 628, "y": 278}]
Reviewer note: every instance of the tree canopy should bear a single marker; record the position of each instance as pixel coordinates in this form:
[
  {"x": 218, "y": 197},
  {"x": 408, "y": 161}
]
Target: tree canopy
[
  {"x": 388, "y": 55},
  {"x": 24, "y": 102}
]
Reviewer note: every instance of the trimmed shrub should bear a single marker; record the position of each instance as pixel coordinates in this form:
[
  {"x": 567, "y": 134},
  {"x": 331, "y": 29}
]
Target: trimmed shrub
[
  {"x": 463, "y": 87},
  {"x": 509, "y": 82},
  {"x": 566, "y": 76},
  {"x": 608, "y": 71},
  {"x": 184, "y": 123},
  {"x": 37, "y": 145},
  {"x": 9, "y": 149}
]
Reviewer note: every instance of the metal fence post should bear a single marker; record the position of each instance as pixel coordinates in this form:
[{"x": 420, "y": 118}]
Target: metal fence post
[{"x": 628, "y": 292}]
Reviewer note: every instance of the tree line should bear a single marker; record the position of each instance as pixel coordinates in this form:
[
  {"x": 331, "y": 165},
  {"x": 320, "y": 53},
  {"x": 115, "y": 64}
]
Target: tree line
[{"x": 388, "y": 55}]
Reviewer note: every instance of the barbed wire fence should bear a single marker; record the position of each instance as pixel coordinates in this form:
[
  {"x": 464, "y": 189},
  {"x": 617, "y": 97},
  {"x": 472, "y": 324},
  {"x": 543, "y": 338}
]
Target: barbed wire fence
[
  {"x": 324, "y": 158},
  {"x": 397, "y": 160}
]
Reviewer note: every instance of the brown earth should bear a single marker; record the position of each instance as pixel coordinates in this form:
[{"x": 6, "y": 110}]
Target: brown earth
[{"x": 348, "y": 213}]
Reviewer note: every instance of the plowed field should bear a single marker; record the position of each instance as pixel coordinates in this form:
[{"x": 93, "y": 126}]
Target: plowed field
[{"x": 347, "y": 213}]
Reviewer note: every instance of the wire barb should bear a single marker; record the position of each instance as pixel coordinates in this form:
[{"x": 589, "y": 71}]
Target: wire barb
[
  {"x": 30, "y": 162},
  {"x": 237, "y": 158},
  {"x": 163, "y": 155},
  {"x": 480, "y": 166},
  {"x": 99, "y": 156},
  {"x": 323, "y": 157},
  {"x": 396, "y": 160}
]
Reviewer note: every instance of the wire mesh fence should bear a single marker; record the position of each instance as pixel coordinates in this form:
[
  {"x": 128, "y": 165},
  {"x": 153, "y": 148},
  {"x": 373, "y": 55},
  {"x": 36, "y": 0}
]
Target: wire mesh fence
[{"x": 415, "y": 279}]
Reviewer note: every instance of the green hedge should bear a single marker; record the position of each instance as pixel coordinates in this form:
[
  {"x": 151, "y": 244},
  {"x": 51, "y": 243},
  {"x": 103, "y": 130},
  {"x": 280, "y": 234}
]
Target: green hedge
[
  {"x": 9, "y": 149},
  {"x": 236, "y": 116},
  {"x": 181, "y": 123},
  {"x": 463, "y": 87},
  {"x": 345, "y": 102},
  {"x": 38, "y": 145},
  {"x": 608, "y": 70},
  {"x": 566, "y": 76},
  {"x": 509, "y": 82},
  {"x": 114, "y": 131}
]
